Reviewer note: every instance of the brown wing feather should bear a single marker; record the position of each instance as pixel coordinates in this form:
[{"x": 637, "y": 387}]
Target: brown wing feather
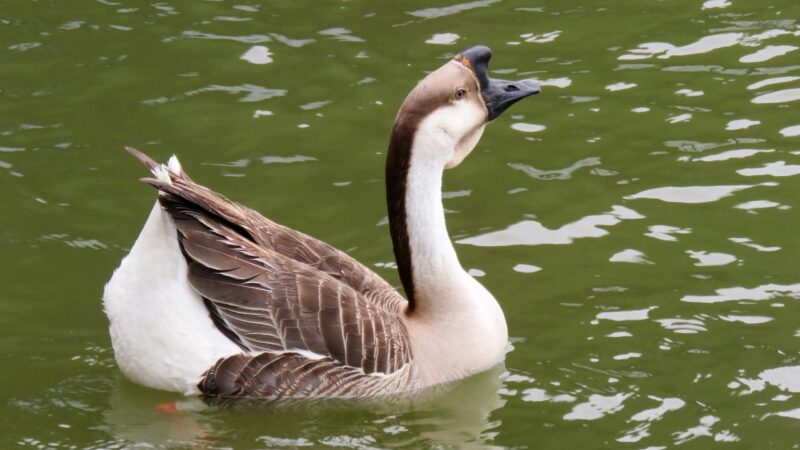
[
  {"x": 287, "y": 375},
  {"x": 285, "y": 241},
  {"x": 270, "y": 302}
]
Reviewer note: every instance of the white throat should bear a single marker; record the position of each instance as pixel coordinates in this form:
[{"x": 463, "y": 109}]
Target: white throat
[
  {"x": 433, "y": 257},
  {"x": 457, "y": 327},
  {"x": 437, "y": 273}
]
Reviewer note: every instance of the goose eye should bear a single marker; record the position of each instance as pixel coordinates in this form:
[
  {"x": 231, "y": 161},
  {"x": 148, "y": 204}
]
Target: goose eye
[{"x": 460, "y": 93}]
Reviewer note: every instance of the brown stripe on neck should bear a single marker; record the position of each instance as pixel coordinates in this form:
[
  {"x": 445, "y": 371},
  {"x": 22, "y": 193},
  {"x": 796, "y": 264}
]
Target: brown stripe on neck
[
  {"x": 398, "y": 161},
  {"x": 398, "y": 164},
  {"x": 436, "y": 90}
]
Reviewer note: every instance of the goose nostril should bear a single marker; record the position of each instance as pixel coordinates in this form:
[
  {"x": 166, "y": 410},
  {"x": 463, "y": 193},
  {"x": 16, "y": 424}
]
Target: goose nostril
[{"x": 511, "y": 88}]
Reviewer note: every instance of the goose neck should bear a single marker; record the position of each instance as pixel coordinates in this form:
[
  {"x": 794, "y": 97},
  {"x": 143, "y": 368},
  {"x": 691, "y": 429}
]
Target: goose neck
[{"x": 426, "y": 260}]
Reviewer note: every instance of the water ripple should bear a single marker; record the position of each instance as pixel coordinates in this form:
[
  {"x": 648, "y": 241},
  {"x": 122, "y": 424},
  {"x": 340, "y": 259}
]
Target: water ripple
[
  {"x": 432, "y": 13},
  {"x": 758, "y": 293},
  {"x": 708, "y": 259},
  {"x": 782, "y": 96},
  {"x": 741, "y": 124},
  {"x": 774, "y": 169},
  {"x": 531, "y": 232},
  {"x": 443, "y": 39},
  {"x": 626, "y": 315},
  {"x": 341, "y": 34},
  {"x": 733, "y": 154},
  {"x": 791, "y": 131},
  {"x": 767, "y": 53},
  {"x": 257, "y": 54},
  {"x": 630, "y": 256},
  {"x": 598, "y": 406},
  {"x": 554, "y": 174},
  {"x": 248, "y": 39},
  {"x": 692, "y": 194}
]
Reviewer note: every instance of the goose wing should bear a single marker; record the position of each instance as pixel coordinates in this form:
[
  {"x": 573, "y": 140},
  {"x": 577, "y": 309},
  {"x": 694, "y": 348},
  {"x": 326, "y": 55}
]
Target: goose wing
[
  {"x": 278, "y": 238},
  {"x": 266, "y": 301}
]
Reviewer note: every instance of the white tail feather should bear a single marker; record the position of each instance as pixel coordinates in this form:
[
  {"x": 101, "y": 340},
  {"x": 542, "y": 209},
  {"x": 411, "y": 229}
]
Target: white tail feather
[{"x": 174, "y": 165}]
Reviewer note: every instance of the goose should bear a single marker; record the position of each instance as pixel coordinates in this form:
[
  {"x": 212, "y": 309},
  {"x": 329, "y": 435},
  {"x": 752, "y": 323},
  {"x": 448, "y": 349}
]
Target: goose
[{"x": 216, "y": 300}]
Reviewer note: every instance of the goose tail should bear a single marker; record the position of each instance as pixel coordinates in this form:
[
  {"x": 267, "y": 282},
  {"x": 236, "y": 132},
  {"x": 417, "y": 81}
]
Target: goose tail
[{"x": 163, "y": 172}]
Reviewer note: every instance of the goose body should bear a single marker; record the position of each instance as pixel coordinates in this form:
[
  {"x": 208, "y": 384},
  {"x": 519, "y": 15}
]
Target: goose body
[{"x": 216, "y": 299}]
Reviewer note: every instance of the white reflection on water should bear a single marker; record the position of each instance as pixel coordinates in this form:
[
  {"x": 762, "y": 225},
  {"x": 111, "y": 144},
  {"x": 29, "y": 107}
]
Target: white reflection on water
[
  {"x": 653, "y": 414},
  {"x": 623, "y": 316},
  {"x": 556, "y": 82},
  {"x": 294, "y": 43},
  {"x": 315, "y": 105},
  {"x": 443, "y": 39},
  {"x": 666, "y": 50},
  {"x": 232, "y": 19},
  {"x": 249, "y": 39},
  {"x": 541, "y": 38},
  {"x": 620, "y": 86},
  {"x": 531, "y": 232},
  {"x": 741, "y": 124},
  {"x": 767, "y": 53},
  {"x": 747, "y": 242},
  {"x": 698, "y": 147},
  {"x": 706, "y": 44},
  {"x": 771, "y": 81},
  {"x": 630, "y": 255},
  {"x": 791, "y": 414},
  {"x": 748, "y": 320},
  {"x": 648, "y": 416},
  {"x": 782, "y": 96},
  {"x": 732, "y": 154},
  {"x": 341, "y": 34},
  {"x": 705, "y": 259},
  {"x": 619, "y": 334},
  {"x": 693, "y": 194},
  {"x": 775, "y": 169},
  {"x": 262, "y": 113},
  {"x": 704, "y": 429},
  {"x": 526, "y": 268},
  {"x": 284, "y": 442},
  {"x": 758, "y": 293},
  {"x": 257, "y": 54},
  {"x": 286, "y": 159},
  {"x": 784, "y": 378},
  {"x": 685, "y": 117},
  {"x": 689, "y": 93},
  {"x": 629, "y": 355},
  {"x": 554, "y": 174},
  {"x": 432, "y": 13},
  {"x": 759, "y": 204},
  {"x": 791, "y": 131},
  {"x": 710, "y": 4},
  {"x": 527, "y": 127},
  {"x": 683, "y": 326},
  {"x": 598, "y": 406},
  {"x": 540, "y": 395},
  {"x": 254, "y": 93}
]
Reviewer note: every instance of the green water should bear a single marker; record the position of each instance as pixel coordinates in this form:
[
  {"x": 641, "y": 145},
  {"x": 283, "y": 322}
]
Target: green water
[{"x": 637, "y": 221}]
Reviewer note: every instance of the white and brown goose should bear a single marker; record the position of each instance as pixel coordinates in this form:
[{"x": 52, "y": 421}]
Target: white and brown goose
[{"x": 215, "y": 299}]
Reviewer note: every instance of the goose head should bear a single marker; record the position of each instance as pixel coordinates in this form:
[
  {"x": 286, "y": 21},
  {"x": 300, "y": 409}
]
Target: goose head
[{"x": 450, "y": 107}]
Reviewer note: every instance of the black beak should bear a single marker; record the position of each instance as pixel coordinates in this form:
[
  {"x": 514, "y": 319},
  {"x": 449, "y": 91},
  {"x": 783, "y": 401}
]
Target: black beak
[{"x": 498, "y": 95}]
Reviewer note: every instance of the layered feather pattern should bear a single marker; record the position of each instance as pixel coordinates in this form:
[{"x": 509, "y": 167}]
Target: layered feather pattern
[{"x": 309, "y": 319}]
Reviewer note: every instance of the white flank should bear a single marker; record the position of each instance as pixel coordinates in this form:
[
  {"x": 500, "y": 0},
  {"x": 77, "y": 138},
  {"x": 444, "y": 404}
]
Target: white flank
[{"x": 161, "y": 332}]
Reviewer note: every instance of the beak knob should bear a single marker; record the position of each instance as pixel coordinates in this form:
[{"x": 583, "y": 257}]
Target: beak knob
[{"x": 497, "y": 94}]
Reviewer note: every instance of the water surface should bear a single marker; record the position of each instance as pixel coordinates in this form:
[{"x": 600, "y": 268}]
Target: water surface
[{"x": 637, "y": 220}]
